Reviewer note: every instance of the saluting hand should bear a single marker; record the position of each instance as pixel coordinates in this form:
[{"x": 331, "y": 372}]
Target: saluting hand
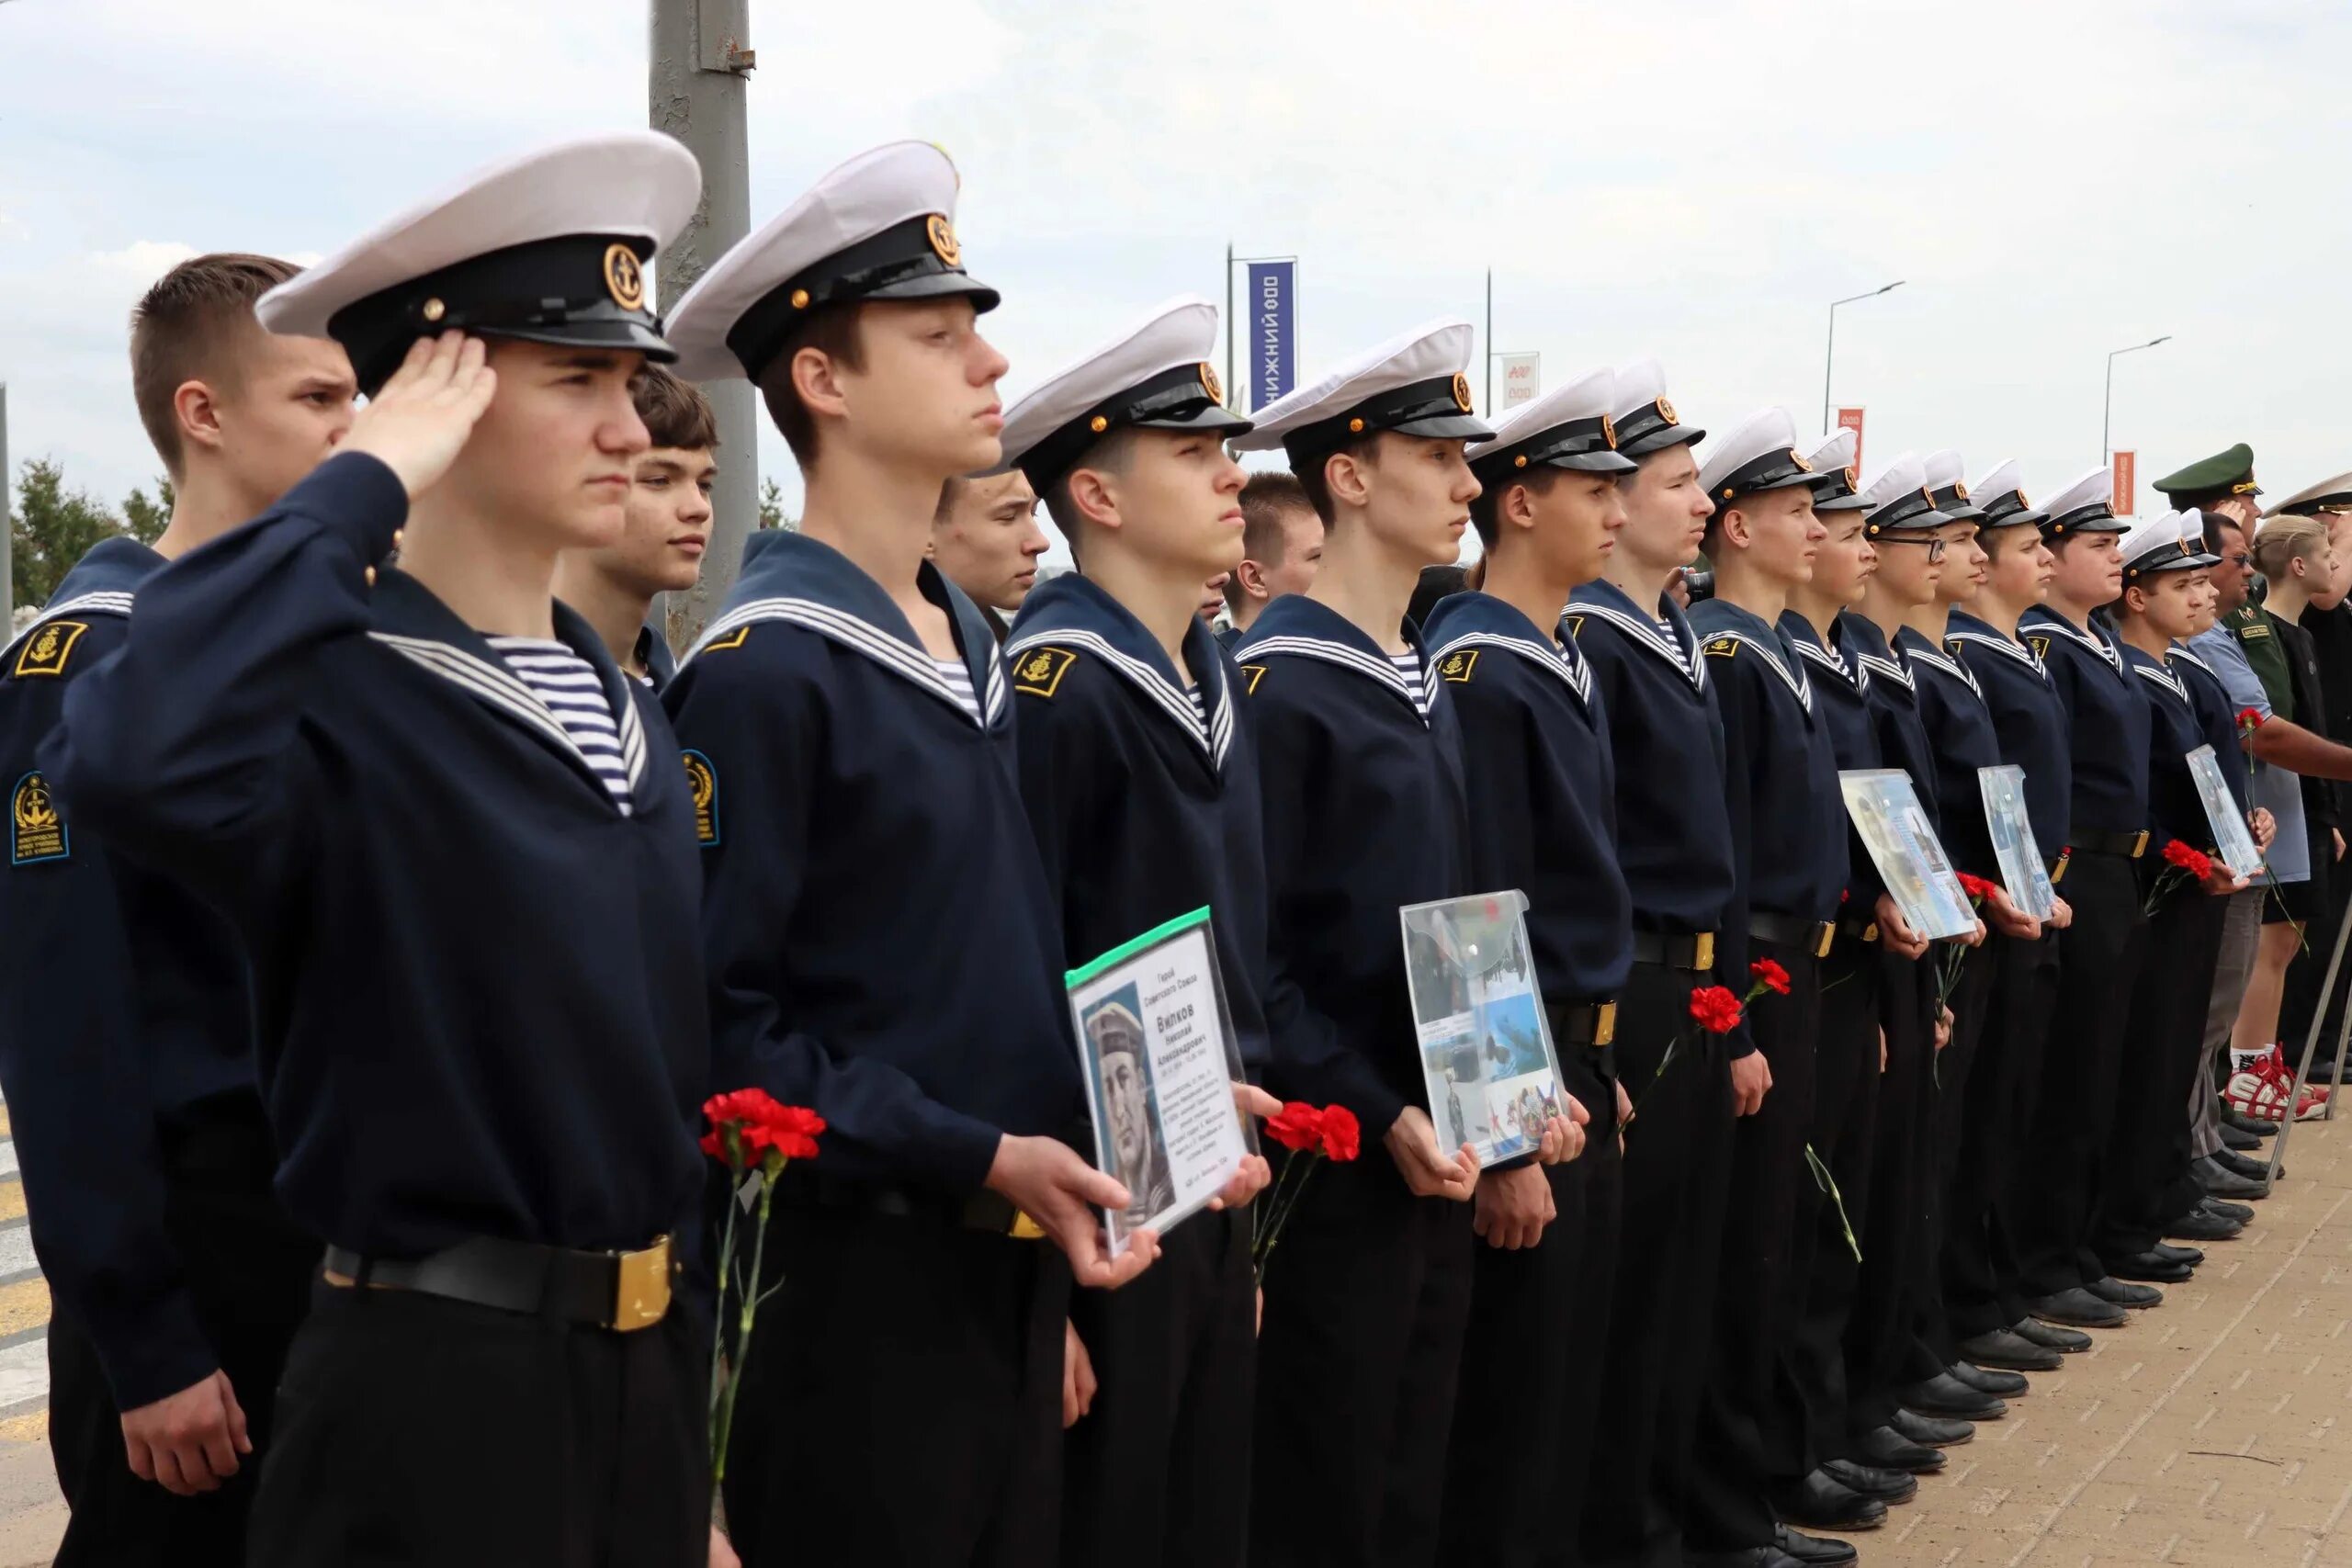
[
  {"x": 188, "y": 1442},
  {"x": 1050, "y": 1184},
  {"x": 1429, "y": 1172},
  {"x": 420, "y": 421}
]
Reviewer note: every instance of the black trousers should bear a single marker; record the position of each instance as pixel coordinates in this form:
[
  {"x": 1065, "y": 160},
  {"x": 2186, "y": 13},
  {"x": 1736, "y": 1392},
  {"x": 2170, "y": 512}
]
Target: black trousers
[
  {"x": 417, "y": 1431},
  {"x": 1879, "y": 1330},
  {"x": 2164, "y": 1044},
  {"x": 1980, "y": 1265},
  {"x": 1529, "y": 1407},
  {"x": 1677, "y": 1155},
  {"x": 902, "y": 1405},
  {"x": 1825, "y": 1272},
  {"x": 1367, "y": 1298},
  {"x": 249, "y": 1272},
  {"x": 1950, "y": 1072},
  {"x": 2055, "y": 1183},
  {"x": 1159, "y": 1470},
  {"x": 1750, "y": 1410}
]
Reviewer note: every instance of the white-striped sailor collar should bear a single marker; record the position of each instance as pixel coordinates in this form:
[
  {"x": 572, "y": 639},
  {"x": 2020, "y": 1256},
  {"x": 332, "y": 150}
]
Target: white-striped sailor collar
[
  {"x": 1965, "y": 628},
  {"x": 2096, "y": 639},
  {"x": 1071, "y": 611},
  {"x": 1808, "y": 644},
  {"x": 1612, "y": 603},
  {"x": 101, "y": 583},
  {"x": 1869, "y": 646},
  {"x": 1481, "y": 620},
  {"x": 1297, "y": 625},
  {"x": 2154, "y": 670},
  {"x": 1723, "y": 618},
  {"x": 2188, "y": 654},
  {"x": 790, "y": 576},
  {"x": 413, "y": 622},
  {"x": 1916, "y": 645}
]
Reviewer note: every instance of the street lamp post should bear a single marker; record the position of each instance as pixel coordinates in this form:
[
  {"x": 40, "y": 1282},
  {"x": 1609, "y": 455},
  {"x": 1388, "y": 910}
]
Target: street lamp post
[
  {"x": 2106, "y": 411},
  {"x": 1830, "y": 359}
]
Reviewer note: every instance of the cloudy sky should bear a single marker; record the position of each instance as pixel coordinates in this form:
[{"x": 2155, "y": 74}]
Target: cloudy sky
[{"x": 1694, "y": 181}]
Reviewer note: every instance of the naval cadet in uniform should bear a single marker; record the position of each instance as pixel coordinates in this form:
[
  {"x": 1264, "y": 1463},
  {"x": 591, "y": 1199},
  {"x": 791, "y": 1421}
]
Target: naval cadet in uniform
[
  {"x": 1141, "y": 783},
  {"x": 1366, "y": 1301},
  {"x": 851, "y": 733},
  {"x": 177, "y": 1280},
  {"x": 1542, "y": 781},
  {"x": 428, "y": 800}
]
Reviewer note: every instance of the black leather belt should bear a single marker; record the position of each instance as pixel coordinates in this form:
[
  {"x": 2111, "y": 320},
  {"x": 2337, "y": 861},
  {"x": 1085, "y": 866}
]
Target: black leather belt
[
  {"x": 2093, "y": 841},
  {"x": 984, "y": 1211},
  {"x": 1787, "y": 930},
  {"x": 1851, "y": 930},
  {"x": 620, "y": 1290},
  {"x": 1682, "y": 950},
  {"x": 1583, "y": 1023}
]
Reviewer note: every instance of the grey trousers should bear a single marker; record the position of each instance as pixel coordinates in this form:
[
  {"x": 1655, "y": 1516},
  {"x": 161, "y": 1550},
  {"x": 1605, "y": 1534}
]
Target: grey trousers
[{"x": 2241, "y": 930}]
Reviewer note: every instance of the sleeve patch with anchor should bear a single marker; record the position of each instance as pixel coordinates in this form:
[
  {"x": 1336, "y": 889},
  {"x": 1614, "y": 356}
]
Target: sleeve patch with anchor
[
  {"x": 1040, "y": 671},
  {"x": 2041, "y": 646},
  {"x": 48, "y": 647},
  {"x": 1458, "y": 668},
  {"x": 1723, "y": 646},
  {"x": 701, "y": 784},
  {"x": 36, "y": 832}
]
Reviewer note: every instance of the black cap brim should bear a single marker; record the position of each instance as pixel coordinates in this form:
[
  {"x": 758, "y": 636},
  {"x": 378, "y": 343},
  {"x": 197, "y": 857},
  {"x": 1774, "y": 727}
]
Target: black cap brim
[
  {"x": 1659, "y": 440},
  {"x": 1211, "y": 416},
  {"x": 633, "y": 336},
  {"x": 940, "y": 284},
  {"x": 1594, "y": 463},
  {"x": 1446, "y": 427},
  {"x": 1841, "y": 504}
]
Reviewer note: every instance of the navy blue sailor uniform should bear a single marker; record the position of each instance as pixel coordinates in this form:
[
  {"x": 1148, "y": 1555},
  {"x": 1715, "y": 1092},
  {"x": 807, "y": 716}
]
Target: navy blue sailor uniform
[
  {"x": 1542, "y": 781},
  {"x": 1146, "y": 808},
  {"x": 653, "y": 656},
  {"x": 1674, "y": 843},
  {"x": 840, "y": 769},
  {"x": 1367, "y": 1298},
  {"x": 126, "y": 1056},
  {"x": 1790, "y": 835}
]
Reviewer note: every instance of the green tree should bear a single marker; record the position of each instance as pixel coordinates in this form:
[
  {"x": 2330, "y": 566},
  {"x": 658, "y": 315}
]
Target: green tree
[
  {"x": 772, "y": 507},
  {"x": 145, "y": 519},
  {"x": 53, "y": 526}
]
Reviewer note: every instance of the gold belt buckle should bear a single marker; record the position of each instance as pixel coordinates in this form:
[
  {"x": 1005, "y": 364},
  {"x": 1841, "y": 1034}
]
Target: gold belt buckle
[
  {"x": 1825, "y": 934},
  {"x": 1604, "y": 1024},
  {"x": 1703, "y": 954},
  {"x": 1024, "y": 1228},
  {"x": 642, "y": 1287},
  {"x": 2140, "y": 844}
]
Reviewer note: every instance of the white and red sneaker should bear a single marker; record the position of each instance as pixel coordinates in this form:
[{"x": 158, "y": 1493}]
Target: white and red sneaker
[{"x": 2311, "y": 1101}]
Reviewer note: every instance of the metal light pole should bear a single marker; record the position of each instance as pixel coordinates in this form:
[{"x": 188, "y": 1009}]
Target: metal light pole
[
  {"x": 7, "y": 530},
  {"x": 1830, "y": 359},
  {"x": 700, "y": 55},
  {"x": 1487, "y": 408},
  {"x": 2106, "y": 411},
  {"x": 1232, "y": 386}
]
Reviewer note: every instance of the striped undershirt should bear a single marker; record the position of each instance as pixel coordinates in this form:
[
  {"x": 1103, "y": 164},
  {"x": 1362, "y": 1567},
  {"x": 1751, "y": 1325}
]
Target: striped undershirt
[
  {"x": 567, "y": 684},
  {"x": 1200, "y": 707},
  {"x": 1408, "y": 666},
  {"x": 959, "y": 681}
]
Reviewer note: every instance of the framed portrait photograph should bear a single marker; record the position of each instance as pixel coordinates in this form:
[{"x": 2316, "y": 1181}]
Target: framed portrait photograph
[
  {"x": 2232, "y": 835},
  {"x": 1488, "y": 1060},
  {"x": 2023, "y": 876},
  {"x": 1903, "y": 845}
]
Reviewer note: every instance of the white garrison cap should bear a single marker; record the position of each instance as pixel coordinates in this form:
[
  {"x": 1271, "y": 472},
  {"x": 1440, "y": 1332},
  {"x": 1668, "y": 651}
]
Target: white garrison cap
[
  {"x": 1898, "y": 499},
  {"x": 2327, "y": 494},
  {"x": 1837, "y": 483},
  {"x": 1948, "y": 483},
  {"x": 1645, "y": 421},
  {"x": 2001, "y": 493},
  {"x": 1567, "y": 428},
  {"x": 1155, "y": 374},
  {"x": 1759, "y": 453},
  {"x": 2192, "y": 539},
  {"x": 2172, "y": 541},
  {"x": 1415, "y": 384},
  {"x": 2085, "y": 506},
  {"x": 548, "y": 246},
  {"x": 881, "y": 226}
]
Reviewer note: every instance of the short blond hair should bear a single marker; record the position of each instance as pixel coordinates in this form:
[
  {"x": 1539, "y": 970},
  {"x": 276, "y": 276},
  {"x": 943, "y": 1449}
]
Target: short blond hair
[{"x": 2285, "y": 540}]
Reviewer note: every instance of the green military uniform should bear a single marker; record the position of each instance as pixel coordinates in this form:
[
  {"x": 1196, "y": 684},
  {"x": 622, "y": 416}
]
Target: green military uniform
[{"x": 2250, "y": 624}]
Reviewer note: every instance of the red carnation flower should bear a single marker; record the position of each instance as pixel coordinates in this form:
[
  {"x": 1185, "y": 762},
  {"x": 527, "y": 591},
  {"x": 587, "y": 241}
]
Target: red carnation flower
[
  {"x": 2194, "y": 862},
  {"x": 1715, "y": 1009},
  {"x": 1771, "y": 976},
  {"x": 2249, "y": 720},
  {"x": 760, "y": 1123},
  {"x": 1297, "y": 1125},
  {"x": 1342, "y": 1137},
  {"x": 1976, "y": 887}
]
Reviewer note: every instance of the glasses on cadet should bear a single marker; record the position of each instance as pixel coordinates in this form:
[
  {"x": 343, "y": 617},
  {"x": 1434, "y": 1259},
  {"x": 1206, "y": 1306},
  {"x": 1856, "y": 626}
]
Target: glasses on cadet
[{"x": 1935, "y": 547}]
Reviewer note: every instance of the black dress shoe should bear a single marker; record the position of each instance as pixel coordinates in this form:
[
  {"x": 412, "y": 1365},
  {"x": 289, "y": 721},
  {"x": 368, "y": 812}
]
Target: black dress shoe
[
  {"x": 2147, "y": 1266},
  {"x": 1884, "y": 1447},
  {"x": 2204, "y": 1224},
  {"x": 2237, "y": 1164},
  {"x": 2000, "y": 1384},
  {"x": 2243, "y": 1213},
  {"x": 2234, "y": 1139},
  {"x": 2232, "y": 1117},
  {"x": 2077, "y": 1308},
  {"x": 2222, "y": 1183},
  {"x": 1815, "y": 1551},
  {"x": 1820, "y": 1503},
  {"x": 2003, "y": 1348},
  {"x": 2188, "y": 1255},
  {"x": 1915, "y": 1431},
  {"x": 1885, "y": 1486},
  {"x": 2065, "y": 1341},
  {"x": 2108, "y": 1288},
  {"x": 1746, "y": 1557},
  {"x": 1945, "y": 1395}
]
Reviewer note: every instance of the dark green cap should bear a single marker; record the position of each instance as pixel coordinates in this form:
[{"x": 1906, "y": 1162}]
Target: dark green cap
[{"x": 2211, "y": 479}]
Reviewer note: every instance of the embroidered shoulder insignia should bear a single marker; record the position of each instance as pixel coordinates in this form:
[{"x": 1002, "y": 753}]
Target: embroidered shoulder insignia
[
  {"x": 1459, "y": 667},
  {"x": 1253, "y": 673},
  {"x": 1040, "y": 671},
  {"x": 1723, "y": 646},
  {"x": 735, "y": 638},
  {"x": 1576, "y": 625},
  {"x": 46, "y": 650},
  {"x": 2247, "y": 633},
  {"x": 701, "y": 784},
  {"x": 2041, "y": 646},
  {"x": 36, "y": 832},
  {"x": 1952, "y": 645}
]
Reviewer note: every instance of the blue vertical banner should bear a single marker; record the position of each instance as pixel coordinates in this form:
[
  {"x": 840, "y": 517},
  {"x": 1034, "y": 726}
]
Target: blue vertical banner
[{"x": 1273, "y": 315}]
